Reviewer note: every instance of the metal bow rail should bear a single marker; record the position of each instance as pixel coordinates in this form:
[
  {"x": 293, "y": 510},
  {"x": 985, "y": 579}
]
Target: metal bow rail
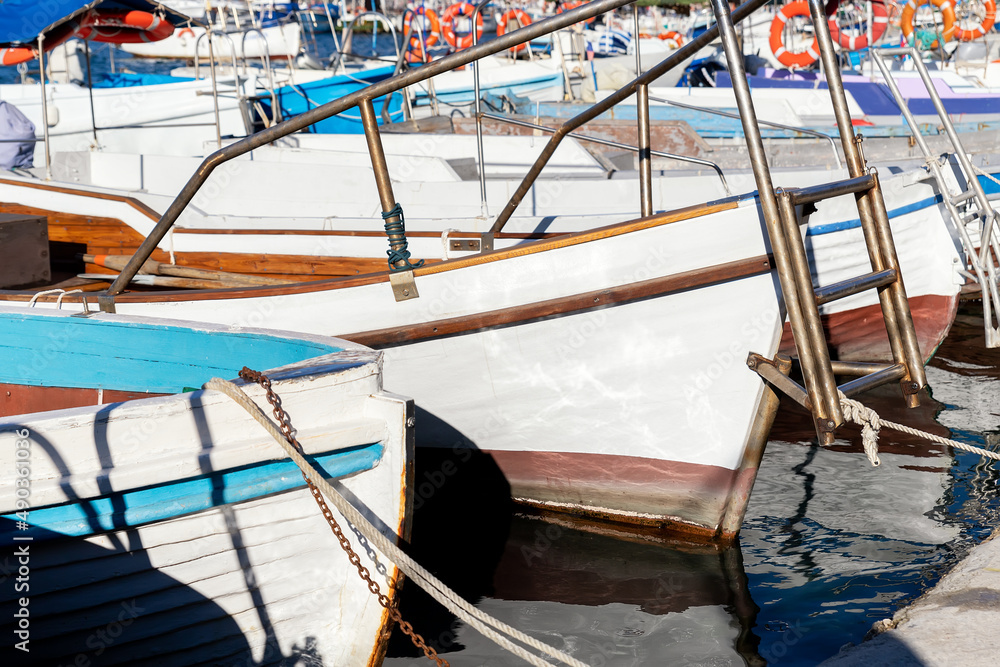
[
  {"x": 979, "y": 213},
  {"x": 820, "y": 393}
]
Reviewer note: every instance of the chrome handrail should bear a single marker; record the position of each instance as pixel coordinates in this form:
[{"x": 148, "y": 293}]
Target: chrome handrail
[
  {"x": 766, "y": 123},
  {"x": 479, "y": 125},
  {"x": 363, "y": 98},
  {"x": 211, "y": 32},
  {"x": 349, "y": 35},
  {"x": 265, "y": 59},
  {"x": 614, "y": 144}
]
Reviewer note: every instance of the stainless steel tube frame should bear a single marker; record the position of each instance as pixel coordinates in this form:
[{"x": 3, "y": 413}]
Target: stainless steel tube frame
[{"x": 340, "y": 105}]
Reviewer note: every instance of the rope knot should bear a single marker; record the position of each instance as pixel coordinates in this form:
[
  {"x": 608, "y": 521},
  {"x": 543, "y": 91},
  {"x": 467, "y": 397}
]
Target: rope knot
[
  {"x": 870, "y": 423},
  {"x": 398, "y": 254}
]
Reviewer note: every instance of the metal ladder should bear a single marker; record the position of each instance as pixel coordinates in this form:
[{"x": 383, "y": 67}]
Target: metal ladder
[
  {"x": 820, "y": 394},
  {"x": 979, "y": 221}
]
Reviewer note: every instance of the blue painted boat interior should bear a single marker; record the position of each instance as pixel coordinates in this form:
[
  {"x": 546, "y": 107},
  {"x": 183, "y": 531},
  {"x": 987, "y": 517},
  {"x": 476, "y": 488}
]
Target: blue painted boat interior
[
  {"x": 168, "y": 501},
  {"x": 299, "y": 98},
  {"x": 49, "y": 351}
]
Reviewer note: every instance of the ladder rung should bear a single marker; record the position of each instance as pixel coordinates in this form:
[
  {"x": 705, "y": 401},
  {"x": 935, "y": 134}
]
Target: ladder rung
[
  {"x": 854, "y": 285},
  {"x": 856, "y": 368},
  {"x": 969, "y": 217},
  {"x": 834, "y": 189},
  {"x": 965, "y": 196},
  {"x": 872, "y": 380}
]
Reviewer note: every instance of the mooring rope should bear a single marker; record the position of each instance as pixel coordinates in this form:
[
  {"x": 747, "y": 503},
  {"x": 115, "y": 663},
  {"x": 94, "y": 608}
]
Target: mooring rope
[
  {"x": 870, "y": 423},
  {"x": 451, "y": 600}
]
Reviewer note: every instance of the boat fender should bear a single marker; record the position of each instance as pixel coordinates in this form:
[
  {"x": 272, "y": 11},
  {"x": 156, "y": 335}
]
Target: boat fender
[
  {"x": 947, "y": 14},
  {"x": 448, "y": 24},
  {"x": 521, "y": 19},
  {"x": 776, "y": 41},
  {"x": 17, "y": 138}
]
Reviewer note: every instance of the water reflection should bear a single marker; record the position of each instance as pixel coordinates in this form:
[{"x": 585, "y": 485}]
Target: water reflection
[
  {"x": 830, "y": 545},
  {"x": 609, "y": 601}
]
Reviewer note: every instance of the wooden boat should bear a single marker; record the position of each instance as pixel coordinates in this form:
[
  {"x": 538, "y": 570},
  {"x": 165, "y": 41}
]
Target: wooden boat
[
  {"x": 161, "y": 527},
  {"x": 236, "y": 229},
  {"x": 602, "y": 366},
  {"x": 511, "y": 371}
]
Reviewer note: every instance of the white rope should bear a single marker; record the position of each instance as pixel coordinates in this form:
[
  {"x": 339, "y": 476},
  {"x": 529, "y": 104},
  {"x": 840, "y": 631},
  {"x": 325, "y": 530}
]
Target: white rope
[
  {"x": 870, "y": 423},
  {"x": 436, "y": 588},
  {"x": 983, "y": 173}
]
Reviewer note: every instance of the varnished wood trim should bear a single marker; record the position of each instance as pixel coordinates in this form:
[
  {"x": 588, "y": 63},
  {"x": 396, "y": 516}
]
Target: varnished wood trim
[
  {"x": 555, "y": 307},
  {"x": 352, "y": 232},
  {"x": 567, "y": 240},
  {"x": 134, "y": 203},
  {"x": 562, "y": 241}
]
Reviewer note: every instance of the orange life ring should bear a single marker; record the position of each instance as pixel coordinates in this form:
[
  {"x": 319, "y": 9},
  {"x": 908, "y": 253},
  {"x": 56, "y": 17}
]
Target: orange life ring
[
  {"x": 416, "y": 50},
  {"x": 672, "y": 36},
  {"x": 448, "y": 24},
  {"x": 124, "y": 27},
  {"x": 981, "y": 29},
  {"x": 15, "y": 55},
  {"x": 573, "y": 4},
  {"x": 880, "y": 23},
  {"x": 784, "y": 56},
  {"x": 522, "y": 19},
  {"x": 947, "y": 13}
]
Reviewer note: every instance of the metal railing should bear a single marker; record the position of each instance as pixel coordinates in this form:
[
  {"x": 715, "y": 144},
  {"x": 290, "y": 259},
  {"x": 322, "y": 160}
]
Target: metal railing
[
  {"x": 765, "y": 123},
  {"x": 363, "y": 99},
  {"x": 983, "y": 263},
  {"x": 613, "y": 144}
]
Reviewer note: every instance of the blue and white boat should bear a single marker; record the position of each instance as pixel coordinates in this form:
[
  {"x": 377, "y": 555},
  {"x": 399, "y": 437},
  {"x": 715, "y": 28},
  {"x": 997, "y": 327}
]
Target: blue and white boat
[{"x": 158, "y": 523}]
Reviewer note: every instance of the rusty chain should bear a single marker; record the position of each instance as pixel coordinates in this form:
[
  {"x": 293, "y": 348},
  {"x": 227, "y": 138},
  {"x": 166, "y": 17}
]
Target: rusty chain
[{"x": 285, "y": 423}]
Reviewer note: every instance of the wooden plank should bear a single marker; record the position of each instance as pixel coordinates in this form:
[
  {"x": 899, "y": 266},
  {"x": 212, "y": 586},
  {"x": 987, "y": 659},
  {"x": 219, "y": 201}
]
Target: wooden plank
[{"x": 382, "y": 275}]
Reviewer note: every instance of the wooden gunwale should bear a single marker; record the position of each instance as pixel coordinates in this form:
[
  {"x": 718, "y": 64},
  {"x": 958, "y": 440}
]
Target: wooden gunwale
[
  {"x": 131, "y": 201},
  {"x": 532, "y": 247}
]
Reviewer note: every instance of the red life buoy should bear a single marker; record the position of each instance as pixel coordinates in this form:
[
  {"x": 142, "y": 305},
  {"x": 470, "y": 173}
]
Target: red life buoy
[
  {"x": 981, "y": 29},
  {"x": 947, "y": 15},
  {"x": 522, "y": 19},
  {"x": 880, "y": 22},
  {"x": 121, "y": 27},
  {"x": 448, "y": 24},
  {"x": 784, "y": 56},
  {"x": 573, "y": 4},
  {"x": 15, "y": 55},
  {"x": 672, "y": 36},
  {"x": 416, "y": 51}
]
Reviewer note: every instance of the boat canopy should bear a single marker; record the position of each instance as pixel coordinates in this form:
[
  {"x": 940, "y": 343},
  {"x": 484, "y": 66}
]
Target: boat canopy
[{"x": 23, "y": 20}]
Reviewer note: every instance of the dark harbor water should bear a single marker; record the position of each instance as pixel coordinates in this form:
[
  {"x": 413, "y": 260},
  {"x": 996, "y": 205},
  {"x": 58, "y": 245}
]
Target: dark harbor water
[{"x": 830, "y": 545}]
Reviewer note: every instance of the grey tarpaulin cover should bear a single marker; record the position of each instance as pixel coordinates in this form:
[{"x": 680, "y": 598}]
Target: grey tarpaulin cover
[{"x": 17, "y": 138}]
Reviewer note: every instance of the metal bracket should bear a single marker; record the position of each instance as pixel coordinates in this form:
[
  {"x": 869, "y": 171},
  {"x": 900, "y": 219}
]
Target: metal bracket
[
  {"x": 486, "y": 242},
  {"x": 404, "y": 287},
  {"x": 776, "y": 373},
  {"x": 106, "y": 303},
  {"x": 467, "y": 245},
  {"x": 86, "y": 312}
]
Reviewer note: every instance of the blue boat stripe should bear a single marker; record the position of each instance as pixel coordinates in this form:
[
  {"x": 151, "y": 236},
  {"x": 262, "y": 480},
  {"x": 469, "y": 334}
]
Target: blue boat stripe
[
  {"x": 832, "y": 227},
  {"x": 39, "y": 350},
  {"x": 175, "y": 499}
]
